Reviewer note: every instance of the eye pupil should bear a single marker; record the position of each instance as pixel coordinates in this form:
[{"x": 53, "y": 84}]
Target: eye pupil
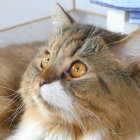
[
  {"x": 47, "y": 60},
  {"x": 77, "y": 69}
]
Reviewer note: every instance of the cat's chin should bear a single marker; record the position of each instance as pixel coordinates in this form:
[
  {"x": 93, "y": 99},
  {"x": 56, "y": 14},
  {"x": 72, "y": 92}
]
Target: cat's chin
[
  {"x": 52, "y": 99},
  {"x": 55, "y": 95}
]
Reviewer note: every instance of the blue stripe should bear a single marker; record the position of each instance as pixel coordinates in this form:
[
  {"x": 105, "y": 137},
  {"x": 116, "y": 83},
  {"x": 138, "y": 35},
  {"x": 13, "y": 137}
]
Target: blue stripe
[
  {"x": 132, "y": 6},
  {"x": 116, "y": 6}
]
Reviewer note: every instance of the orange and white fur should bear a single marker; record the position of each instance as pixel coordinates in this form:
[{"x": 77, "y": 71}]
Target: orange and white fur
[{"x": 82, "y": 85}]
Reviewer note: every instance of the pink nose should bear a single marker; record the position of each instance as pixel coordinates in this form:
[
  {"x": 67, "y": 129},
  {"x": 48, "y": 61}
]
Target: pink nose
[{"x": 42, "y": 82}]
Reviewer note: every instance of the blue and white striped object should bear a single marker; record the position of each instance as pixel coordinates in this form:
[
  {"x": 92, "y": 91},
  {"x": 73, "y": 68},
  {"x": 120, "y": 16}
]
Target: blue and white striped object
[{"x": 133, "y": 6}]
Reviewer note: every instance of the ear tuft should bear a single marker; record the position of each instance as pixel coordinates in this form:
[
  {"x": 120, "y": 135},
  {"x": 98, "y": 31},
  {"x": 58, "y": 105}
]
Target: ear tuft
[
  {"x": 128, "y": 49},
  {"x": 61, "y": 17}
]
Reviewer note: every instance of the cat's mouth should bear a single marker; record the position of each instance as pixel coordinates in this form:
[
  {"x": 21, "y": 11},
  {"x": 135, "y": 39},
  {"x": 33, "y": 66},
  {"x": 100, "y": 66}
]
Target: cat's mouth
[
  {"x": 52, "y": 99},
  {"x": 54, "y": 95}
]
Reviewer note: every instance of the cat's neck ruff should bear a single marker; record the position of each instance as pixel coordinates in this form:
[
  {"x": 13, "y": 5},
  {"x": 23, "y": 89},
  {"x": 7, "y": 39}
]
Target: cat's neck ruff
[{"x": 31, "y": 131}]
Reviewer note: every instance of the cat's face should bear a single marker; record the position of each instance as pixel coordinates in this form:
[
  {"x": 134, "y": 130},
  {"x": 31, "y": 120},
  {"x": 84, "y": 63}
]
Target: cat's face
[
  {"x": 74, "y": 75},
  {"x": 69, "y": 69}
]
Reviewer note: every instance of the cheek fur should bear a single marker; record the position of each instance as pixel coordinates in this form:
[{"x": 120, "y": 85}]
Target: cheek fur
[{"x": 55, "y": 95}]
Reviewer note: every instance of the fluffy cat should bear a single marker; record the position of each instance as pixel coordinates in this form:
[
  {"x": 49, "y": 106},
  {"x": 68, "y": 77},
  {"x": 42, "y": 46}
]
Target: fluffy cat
[{"x": 83, "y": 84}]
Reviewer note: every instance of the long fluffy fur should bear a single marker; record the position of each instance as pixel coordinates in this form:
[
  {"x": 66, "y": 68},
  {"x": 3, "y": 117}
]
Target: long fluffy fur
[
  {"x": 13, "y": 62},
  {"x": 103, "y": 104}
]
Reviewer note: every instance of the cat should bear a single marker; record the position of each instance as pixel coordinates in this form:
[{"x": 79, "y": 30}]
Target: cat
[{"x": 83, "y": 84}]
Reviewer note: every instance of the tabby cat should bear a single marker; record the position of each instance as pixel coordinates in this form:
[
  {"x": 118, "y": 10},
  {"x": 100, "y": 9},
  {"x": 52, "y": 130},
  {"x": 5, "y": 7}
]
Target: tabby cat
[{"x": 83, "y": 84}]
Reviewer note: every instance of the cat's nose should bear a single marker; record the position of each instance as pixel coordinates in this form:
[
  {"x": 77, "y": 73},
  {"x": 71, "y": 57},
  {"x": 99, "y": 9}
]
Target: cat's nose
[{"x": 42, "y": 82}]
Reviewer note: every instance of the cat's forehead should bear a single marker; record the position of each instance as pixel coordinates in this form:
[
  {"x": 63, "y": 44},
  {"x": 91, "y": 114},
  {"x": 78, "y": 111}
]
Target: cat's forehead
[{"x": 68, "y": 40}]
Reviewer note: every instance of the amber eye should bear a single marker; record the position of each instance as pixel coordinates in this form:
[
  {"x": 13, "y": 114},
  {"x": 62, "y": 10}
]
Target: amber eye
[
  {"x": 45, "y": 60},
  {"x": 78, "y": 69}
]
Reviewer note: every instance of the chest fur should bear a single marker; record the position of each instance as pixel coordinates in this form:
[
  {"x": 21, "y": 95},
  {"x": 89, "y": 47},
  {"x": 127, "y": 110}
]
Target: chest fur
[{"x": 32, "y": 132}]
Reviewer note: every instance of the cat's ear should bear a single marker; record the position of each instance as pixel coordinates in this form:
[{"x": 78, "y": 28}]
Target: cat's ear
[
  {"x": 128, "y": 49},
  {"x": 61, "y": 17}
]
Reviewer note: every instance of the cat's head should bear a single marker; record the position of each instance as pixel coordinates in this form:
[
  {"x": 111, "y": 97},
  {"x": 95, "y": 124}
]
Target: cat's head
[{"x": 77, "y": 75}]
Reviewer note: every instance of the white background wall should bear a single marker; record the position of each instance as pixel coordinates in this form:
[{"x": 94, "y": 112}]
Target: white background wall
[
  {"x": 21, "y": 12},
  {"x": 15, "y": 12},
  {"x": 86, "y": 5},
  {"x": 39, "y": 31}
]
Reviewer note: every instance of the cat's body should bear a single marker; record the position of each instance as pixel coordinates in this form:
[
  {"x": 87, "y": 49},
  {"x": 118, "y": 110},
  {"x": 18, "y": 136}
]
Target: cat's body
[
  {"x": 13, "y": 62},
  {"x": 82, "y": 85}
]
